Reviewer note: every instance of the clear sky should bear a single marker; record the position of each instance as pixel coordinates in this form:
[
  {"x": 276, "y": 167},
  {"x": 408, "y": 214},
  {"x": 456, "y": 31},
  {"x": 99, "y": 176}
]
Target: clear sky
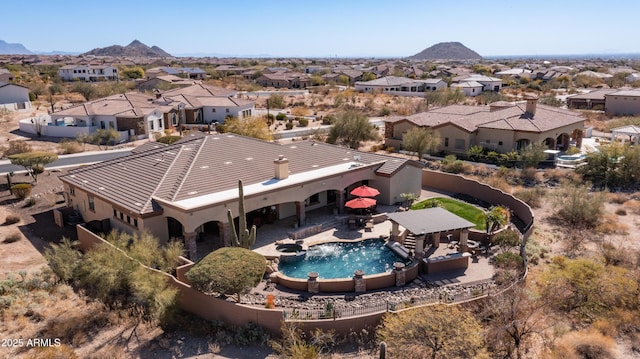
[{"x": 343, "y": 28}]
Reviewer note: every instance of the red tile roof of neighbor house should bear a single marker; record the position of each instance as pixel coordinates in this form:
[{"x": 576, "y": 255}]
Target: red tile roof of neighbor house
[
  {"x": 513, "y": 118},
  {"x": 209, "y": 164}
]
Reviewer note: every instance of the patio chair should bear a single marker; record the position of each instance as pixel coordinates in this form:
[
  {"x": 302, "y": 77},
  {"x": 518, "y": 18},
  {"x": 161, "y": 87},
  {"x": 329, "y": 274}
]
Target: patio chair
[{"x": 351, "y": 221}]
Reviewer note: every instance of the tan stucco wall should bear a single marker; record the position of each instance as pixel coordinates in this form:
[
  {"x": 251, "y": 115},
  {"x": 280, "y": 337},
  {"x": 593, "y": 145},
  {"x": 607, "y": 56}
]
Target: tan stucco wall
[
  {"x": 453, "y": 133},
  {"x": 622, "y": 105},
  {"x": 406, "y": 180}
]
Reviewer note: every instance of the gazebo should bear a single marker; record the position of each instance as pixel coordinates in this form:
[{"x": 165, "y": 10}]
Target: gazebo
[
  {"x": 428, "y": 221},
  {"x": 631, "y": 131}
]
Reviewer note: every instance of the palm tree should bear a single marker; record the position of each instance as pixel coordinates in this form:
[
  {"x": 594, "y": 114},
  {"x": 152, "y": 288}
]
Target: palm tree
[{"x": 496, "y": 217}]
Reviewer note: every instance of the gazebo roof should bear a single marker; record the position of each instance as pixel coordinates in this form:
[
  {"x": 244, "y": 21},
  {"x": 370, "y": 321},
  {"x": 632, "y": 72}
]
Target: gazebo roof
[
  {"x": 627, "y": 130},
  {"x": 429, "y": 220}
]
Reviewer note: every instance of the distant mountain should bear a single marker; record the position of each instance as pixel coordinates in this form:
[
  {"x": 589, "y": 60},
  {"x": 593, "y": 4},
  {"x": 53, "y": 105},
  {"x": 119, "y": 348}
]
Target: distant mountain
[
  {"x": 135, "y": 48},
  {"x": 447, "y": 51},
  {"x": 13, "y": 49}
]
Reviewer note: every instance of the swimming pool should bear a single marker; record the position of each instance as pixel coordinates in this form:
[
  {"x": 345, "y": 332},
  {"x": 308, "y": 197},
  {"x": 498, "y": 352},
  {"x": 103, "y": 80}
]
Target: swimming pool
[{"x": 341, "y": 259}]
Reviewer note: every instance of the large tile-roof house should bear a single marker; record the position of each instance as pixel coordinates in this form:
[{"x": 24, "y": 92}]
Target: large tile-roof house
[
  {"x": 14, "y": 97},
  {"x": 284, "y": 80},
  {"x": 500, "y": 128},
  {"x": 184, "y": 189},
  {"x": 400, "y": 85},
  {"x": 132, "y": 114},
  {"x": 193, "y": 73},
  {"x": 488, "y": 83},
  {"x": 203, "y": 104}
]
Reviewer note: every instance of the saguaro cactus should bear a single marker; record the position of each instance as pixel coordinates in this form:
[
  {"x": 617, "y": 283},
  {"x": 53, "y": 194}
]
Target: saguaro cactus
[{"x": 243, "y": 237}]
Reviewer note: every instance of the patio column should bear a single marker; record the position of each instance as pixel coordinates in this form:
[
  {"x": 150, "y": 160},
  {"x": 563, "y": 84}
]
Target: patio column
[
  {"x": 464, "y": 235},
  {"x": 301, "y": 213},
  {"x": 395, "y": 231},
  {"x": 436, "y": 239},
  {"x": 340, "y": 199},
  {"x": 225, "y": 235},
  {"x": 420, "y": 245},
  {"x": 190, "y": 243}
]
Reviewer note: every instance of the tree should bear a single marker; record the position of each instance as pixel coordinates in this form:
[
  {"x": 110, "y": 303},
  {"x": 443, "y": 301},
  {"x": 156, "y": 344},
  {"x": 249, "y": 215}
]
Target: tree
[
  {"x": 87, "y": 90},
  {"x": 105, "y": 137},
  {"x": 507, "y": 240},
  {"x": 533, "y": 155},
  {"x": 133, "y": 72},
  {"x": 350, "y": 128},
  {"x": 37, "y": 123},
  {"x": 276, "y": 101},
  {"x": 228, "y": 271},
  {"x": 33, "y": 162},
  {"x": 420, "y": 140},
  {"x": 255, "y": 127},
  {"x": 439, "y": 331},
  {"x": 512, "y": 319},
  {"x": 496, "y": 217}
]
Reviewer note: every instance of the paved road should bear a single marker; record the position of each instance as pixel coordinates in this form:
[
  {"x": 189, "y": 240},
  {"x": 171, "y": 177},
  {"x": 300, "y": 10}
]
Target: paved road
[{"x": 71, "y": 160}]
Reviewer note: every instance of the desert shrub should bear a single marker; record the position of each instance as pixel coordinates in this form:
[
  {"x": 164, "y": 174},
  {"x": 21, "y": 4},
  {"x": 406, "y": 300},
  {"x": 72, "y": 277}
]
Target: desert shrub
[
  {"x": 535, "y": 252},
  {"x": 11, "y": 219},
  {"x": 532, "y": 196},
  {"x": 37, "y": 169},
  {"x": 303, "y": 122},
  {"x": 617, "y": 198},
  {"x": 281, "y": 117},
  {"x": 328, "y": 120},
  {"x": 288, "y": 125},
  {"x": 16, "y": 147},
  {"x": 13, "y": 237},
  {"x": 507, "y": 240},
  {"x": 609, "y": 225},
  {"x": 228, "y": 271},
  {"x": 585, "y": 344},
  {"x": 295, "y": 344},
  {"x": 21, "y": 190},
  {"x": 578, "y": 206},
  {"x": 505, "y": 276},
  {"x": 621, "y": 212},
  {"x": 168, "y": 139},
  {"x": 508, "y": 260},
  {"x": 499, "y": 183},
  {"x": 452, "y": 165},
  {"x": 54, "y": 352},
  {"x": 68, "y": 147},
  {"x": 617, "y": 256}
]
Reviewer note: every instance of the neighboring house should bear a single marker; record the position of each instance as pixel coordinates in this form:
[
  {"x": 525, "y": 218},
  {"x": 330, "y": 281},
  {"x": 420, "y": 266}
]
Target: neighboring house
[
  {"x": 499, "y": 128},
  {"x": 470, "y": 88},
  {"x": 165, "y": 82},
  {"x": 203, "y": 104},
  {"x": 131, "y": 114},
  {"x": 6, "y": 75},
  {"x": 593, "y": 100},
  {"x": 400, "y": 86},
  {"x": 631, "y": 78},
  {"x": 284, "y": 80},
  {"x": 88, "y": 73},
  {"x": 488, "y": 83},
  {"x": 183, "y": 191},
  {"x": 622, "y": 102},
  {"x": 14, "y": 97},
  {"x": 598, "y": 75},
  {"x": 193, "y": 73}
]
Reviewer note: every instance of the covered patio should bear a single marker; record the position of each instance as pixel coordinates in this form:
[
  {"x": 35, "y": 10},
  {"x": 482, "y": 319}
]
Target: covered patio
[
  {"x": 431, "y": 222},
  {"x": 632, "y": 131}
]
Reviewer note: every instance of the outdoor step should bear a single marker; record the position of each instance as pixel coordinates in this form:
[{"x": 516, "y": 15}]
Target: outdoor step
[{"x": 410, "y": 243}]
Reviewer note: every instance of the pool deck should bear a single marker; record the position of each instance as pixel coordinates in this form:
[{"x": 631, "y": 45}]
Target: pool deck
[{"x": 479, "y": 269}]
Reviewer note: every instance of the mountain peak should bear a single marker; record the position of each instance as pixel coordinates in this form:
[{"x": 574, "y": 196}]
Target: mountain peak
[
  {"x": 13, "y": 49},
  {"x": 447, "y": 51},
  {"x": 135, "y": 48}
]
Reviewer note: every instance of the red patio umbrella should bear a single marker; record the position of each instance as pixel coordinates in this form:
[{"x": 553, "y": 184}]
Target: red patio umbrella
[
  {"x": 360, "y": 203},
  {"x": 365, "y": 191}
]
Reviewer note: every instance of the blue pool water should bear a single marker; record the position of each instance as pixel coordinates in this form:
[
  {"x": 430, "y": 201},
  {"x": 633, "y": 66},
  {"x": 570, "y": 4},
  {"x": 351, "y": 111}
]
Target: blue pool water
[
  {"x": 576, "y": 157},
  {"x": 340, "y": 260}
]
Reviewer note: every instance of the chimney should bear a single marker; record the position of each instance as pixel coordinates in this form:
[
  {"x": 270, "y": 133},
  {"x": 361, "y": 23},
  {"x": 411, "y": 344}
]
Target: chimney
[
  {"x": 281, "y": 166},
  {"x": 532, "y": 101}
]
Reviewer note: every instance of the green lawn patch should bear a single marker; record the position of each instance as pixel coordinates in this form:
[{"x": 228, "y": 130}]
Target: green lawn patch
[{"x": 469, "y": 212}]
